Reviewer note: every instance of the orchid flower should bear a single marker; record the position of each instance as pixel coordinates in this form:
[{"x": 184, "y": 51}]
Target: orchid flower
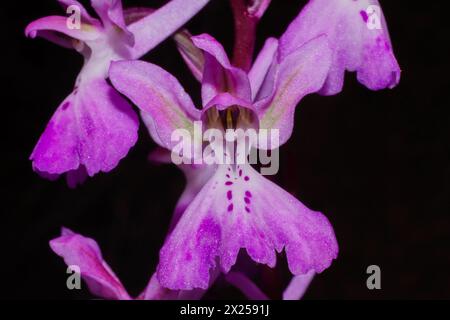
[
  {"x": 358, "y": 35},
  {"x": 237, "y": 207},
  {"x": 85, "y": 254},
  {"x": 94, "y": 127}
]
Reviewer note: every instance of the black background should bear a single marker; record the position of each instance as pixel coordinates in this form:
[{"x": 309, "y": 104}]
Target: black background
[{"x": 376, "y": 163}]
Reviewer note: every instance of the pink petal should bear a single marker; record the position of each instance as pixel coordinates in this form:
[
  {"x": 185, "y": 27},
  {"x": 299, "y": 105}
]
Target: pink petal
[
  {"x": 219, "y": 75},
  {"x": 222, "y": 101},
  {"x": 298, "y": 286},
  {"x": 302, "y": 72},
  {"x": 134, "y": 14},
  {"x": 58, "y": 24},
  {"x": 94, "y": 127},
  {"x": 155, "y": 28},
  {"x": 111, "y": 13},
  {"x": 151, "y": 128},
  {"x": 192, "y": 56},
  {"x": 243, "y": 210},
  {"x": 158, "y": 93},
  {"x": 358, "y": 36},
  {"x": 262, "y": 65},
  {"x": 85, "y": 253}
]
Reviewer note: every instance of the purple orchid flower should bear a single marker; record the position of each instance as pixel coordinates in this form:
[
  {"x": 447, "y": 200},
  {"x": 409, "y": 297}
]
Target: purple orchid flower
[
  {"x": 358, "y": 35},
  {"x": 94, "y": 127},
  {"x": 77, "y": 250},
  {"x": 237, "y": 208}
]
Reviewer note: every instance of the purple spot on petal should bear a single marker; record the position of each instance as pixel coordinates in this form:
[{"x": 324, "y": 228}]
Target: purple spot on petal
[
  {"x": 65, "y": 105},
  {"x": 227, "y": 175},
  {"x": 230, "y": 207},
  {"x": 240, "y": 172},
  {"x": 364, "y": 15},
  {"x": 247, "y": 200},
  {"x": 229, "y": 195},
  {"x": 228, "y": 183},
  {"x": 248, "y": 194},
  {"x": 247, "y": 209},
  {"x": 246, "y": 178}
]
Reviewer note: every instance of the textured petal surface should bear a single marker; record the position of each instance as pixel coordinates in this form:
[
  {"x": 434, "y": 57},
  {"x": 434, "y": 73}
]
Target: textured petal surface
[
  {"x": 223, "y": 101},
  {"x": 47, "y": 26},
  {"x": 85, "y": 253},
  {"x": 262, "y": 64},
  {"x": 219, "y": 75},
  {"x": 158, "y": 93},
  {"x": 153, "y": 29},
  {"x": 192, "y": 56},
  {"x": 241, "y": 209},
  {"x": 94, "y": 127},
  {"x": 111, "y": 13},
  {"x": 358, "y": 35},
  {"x": 302, "y": 72}
]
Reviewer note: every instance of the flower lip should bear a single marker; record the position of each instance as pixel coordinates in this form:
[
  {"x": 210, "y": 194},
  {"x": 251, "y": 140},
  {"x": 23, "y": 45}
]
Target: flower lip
[{"x": 228, "y": 112}]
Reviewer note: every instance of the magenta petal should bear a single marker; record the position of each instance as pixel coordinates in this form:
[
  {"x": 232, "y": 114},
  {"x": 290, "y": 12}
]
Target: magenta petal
[
  {"x": 298, "y": 286},
  {"x": 243, "y": 211},
  {"x": 158, "y": 93},
  {"x": 149, "y": 123},
  {"x": 85, "y": 253},
  {"x": 219, "y": 75},
  {"x": 58, "y": 24},
  {"x": 192, "y": 56},
  {"x": 262, "y": 64},
  {"x": 225, "y": 100},
  {"x": 302, "y": 72},
  {"x": 94, "y": 127},
  {"x": 155, "y": 28},
  {"x": 111, "y": 13},
  {"x": 358, "y": 35}
]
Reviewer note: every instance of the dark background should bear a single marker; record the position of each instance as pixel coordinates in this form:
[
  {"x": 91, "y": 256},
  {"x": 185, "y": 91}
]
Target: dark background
[{"x": 376, "y": 163}]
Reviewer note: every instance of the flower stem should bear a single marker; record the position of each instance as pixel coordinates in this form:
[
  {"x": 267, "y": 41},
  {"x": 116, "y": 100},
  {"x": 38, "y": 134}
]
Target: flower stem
[{"x": 245, "y": 34}]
